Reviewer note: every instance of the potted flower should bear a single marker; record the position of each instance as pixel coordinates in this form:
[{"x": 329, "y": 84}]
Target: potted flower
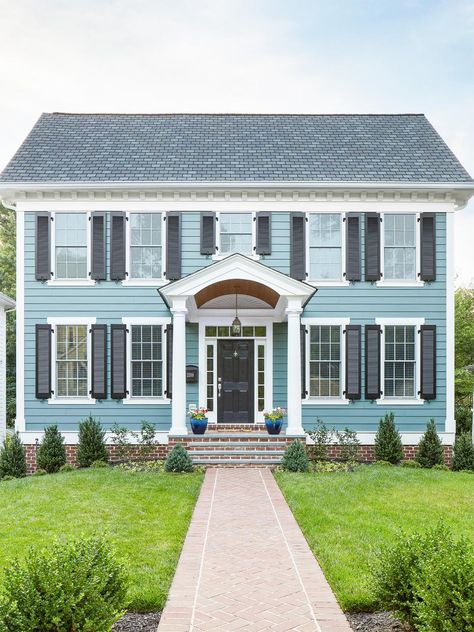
[
  {"x": 274, "y": 420},
  {"x": 198, "y": 420}
]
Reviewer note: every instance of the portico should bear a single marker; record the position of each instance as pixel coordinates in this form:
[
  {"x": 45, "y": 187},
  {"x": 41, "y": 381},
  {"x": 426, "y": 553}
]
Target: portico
[{"x": 264, "y": 296}]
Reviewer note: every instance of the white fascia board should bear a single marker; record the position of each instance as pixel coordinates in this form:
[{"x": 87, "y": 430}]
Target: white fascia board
[{"x": 6, "y": 302}]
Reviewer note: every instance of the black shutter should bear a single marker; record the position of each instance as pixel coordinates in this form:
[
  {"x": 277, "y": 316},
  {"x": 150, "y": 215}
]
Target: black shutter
[
  {"x": 428, "y": 361},
  {"x": 99, "y": 361},
  {"x": 298, "y": 246},
  {"x": 117, "y": 247},
  {"x": 43, "y": 361},
  {"x": 173, "y": 246},
  {"x": 303, "y": 334},
  {"x": 98, "y": 249},
  {"x": 119, "y": 361},
  {"x": 353, "y": 350},
  {"x": 169, "y": 361},
  {"x": 372, "y": 362},
  {"x": 372, "y": 247},
  {"x": 43, "y": 247},
  {"x": 208, "y": 233},
  {"x": 353, "y": 247},
  {"x": 264, "y": 234},
  {"x": 428, "y": 247}
]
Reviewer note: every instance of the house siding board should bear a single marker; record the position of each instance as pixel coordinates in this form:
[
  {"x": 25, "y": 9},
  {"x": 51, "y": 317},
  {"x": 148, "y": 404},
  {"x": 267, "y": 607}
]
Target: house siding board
[
  {"x": 109, "y": 301},
  {"x": 192, "y": 357}
]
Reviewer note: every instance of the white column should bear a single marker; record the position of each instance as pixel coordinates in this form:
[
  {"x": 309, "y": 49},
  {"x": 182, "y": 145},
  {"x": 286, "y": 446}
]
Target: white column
[
  {"x": 293, "y": 312},
  {"x": 178, "y": 402}
]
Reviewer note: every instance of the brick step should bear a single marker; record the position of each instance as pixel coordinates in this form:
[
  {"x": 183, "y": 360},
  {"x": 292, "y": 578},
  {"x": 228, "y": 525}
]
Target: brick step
[
  {"x": 237, "y": 462},
  {"x": 230, "y": 445},
  {"x": 230, "y": 453},
  {"x": 233, "y": 436}
]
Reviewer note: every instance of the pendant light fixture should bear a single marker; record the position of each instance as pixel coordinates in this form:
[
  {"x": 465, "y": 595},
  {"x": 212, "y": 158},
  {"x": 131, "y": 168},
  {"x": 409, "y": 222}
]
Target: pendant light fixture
[{"x": 236, "y": 325}]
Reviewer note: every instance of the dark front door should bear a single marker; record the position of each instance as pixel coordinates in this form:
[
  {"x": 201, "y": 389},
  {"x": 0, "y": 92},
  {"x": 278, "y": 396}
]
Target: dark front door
[{"x": 235, "y": 381}]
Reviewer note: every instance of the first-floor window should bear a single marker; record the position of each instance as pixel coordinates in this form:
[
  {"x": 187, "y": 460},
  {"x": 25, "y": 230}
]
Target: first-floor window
[
  {"x": 399, "y": 361},
  {"x": 71, "y": 361},
  {"x": 324, "y": 361},
  {"x": 147, "y": 360}
]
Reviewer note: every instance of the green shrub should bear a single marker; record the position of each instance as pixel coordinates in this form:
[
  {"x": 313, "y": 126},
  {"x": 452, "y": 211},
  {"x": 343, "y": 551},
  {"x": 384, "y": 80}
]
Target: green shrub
[
  {"x": 67, "y": 467},
  {"x": 388, "y": 443},
  {"x": 91, "y": 446},
  {"x": 12, "y": 457},
  {"x": 428, "y": 580},
  {"x": 146, "y": 440},
  {"x": 120, "y": 441},
  {"x": 382, "y": 463},
  {"x": 39, "y": 472},
  {"x": 295, "y": 458},
  {"x": 323, "y": 467},
  {"x": 51, "y": 453},
  {"x": 463, "y": 456},
  {"x": 68, "y": 586},
  {"x": 441, "y": 467},
  {"x": 411, "y": 464},
  {"x": 321, "y": 436},
  {"x": 178, "y": 460},
  {"x": 142, "y": 466},
  {"x": 97, "y": 465},
  {"x": 349, "y": 444},
  {"x": 430, "y": 449},
  {"x": 8, "y": 477}
]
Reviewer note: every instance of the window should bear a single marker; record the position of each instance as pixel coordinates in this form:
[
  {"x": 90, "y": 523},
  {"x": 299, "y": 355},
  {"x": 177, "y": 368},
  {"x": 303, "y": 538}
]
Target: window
[
  {"x": 248, "y": 331},
  {"x": 71, "y": 245},
  {"x": 400, "y": 354},
  {"x": 400, "y": 247},
  {"x": 325, "y": 246},
  {"x": 146, "y": 245},
  {"x": 71, "y": 361},
  {"x": 147, "y": 361},
  {"x": 236, "y": 233},
  {"x": 324, "y": 361}
]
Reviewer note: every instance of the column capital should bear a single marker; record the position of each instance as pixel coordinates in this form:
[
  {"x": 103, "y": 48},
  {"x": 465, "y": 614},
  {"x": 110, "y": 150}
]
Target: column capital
[{"x": 178, "y": 305}]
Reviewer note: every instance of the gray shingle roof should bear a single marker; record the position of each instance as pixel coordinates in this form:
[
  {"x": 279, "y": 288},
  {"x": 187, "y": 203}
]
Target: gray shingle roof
[{"x": 235, "y": 148}]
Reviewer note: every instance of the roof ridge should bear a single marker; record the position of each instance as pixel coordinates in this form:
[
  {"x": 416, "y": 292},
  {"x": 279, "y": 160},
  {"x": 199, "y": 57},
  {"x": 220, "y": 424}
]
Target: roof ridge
[{"x": 335, "y": 114}]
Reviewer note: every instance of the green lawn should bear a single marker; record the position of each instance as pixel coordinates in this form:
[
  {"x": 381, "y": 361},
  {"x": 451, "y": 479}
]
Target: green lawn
[
  {"x": 146, "y": 516},
  {"x": 346, "y": 516}
]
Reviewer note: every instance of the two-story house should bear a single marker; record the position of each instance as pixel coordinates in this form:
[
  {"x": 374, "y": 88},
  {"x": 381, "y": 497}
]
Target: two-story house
[{"x": 236, "y": 262}]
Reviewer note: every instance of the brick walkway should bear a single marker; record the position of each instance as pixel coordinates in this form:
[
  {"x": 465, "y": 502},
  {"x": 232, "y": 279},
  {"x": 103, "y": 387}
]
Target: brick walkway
[{"x": 246, "y": 566}]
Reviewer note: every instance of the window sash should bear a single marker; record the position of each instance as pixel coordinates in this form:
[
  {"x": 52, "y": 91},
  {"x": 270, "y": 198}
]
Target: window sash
[
  {"x": 146, "y": 361},
  {"x": 71, "y": 245},
  {"x": 325, "y": 246},
  {"x": 72, "y": 361},
  {"x": 236, "y": 233},
  {"x": 146, "y": 245},
  {"x": 400, "y": 247},
  {"x": 325, "y": 361},
  {"x": 400, "y": 361}
]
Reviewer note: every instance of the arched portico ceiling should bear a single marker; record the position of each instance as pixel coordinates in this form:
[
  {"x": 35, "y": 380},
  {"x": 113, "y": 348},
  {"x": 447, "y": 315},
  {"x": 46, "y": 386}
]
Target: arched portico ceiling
[{"x": 240, "y": 286}]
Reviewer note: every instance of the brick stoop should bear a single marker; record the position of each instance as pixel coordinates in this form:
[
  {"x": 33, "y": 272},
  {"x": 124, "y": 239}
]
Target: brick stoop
[{"x": 236, "y": 448}]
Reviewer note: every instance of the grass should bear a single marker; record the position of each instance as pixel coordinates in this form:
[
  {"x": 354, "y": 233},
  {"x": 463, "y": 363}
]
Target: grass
[
  {"x": 346, "y": 517},
  {"x": 146, "y": 516}
]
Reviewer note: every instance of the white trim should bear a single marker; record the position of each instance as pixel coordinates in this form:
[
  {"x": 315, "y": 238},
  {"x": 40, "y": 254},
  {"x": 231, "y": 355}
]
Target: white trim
[
  {"x": 88, "y": 321},
  {"x": 400, "y": 401},
  {"x": 326, "y": 320},
  {"x": 329, "y": 282},
  {"x": 450, "y": 320},
  {"x": 325, "y": 401},
  {"x": 416, "y": 282},
  {"x": 71, "y": 282},
  {"x": 129, "y": 280},
  {"x": 20, "y": 424},
  {"x": 72, "y": 438},
  {"x": 129, "y": 321}
]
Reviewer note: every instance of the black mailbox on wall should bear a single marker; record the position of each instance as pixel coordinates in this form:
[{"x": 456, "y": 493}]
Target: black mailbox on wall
[{"x": 192, "y": 374}]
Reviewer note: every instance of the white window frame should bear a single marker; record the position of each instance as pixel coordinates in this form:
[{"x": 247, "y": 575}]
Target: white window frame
[
  {"x": 218, "y": 256},
  {"x": 416, "y": 282},
  {"x": 400, "y": 401},
  {"x": 325, "y": 322},
  {"x": 129, "y": 280},
  {"x": 69, "y": 282},
  {"x": 333, "y": 282},
  {"x": 129, "y": 321},
  {"x": 71, "y": 320}
]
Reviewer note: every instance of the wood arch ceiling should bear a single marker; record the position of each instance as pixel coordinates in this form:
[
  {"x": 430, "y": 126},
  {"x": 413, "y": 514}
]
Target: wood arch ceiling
[{"x": 242, "y": 286}]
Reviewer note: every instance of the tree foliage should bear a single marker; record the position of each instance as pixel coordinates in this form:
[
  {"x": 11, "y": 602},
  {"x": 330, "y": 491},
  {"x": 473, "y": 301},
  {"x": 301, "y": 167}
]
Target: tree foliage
[
  {"x": 464, "y": 354},
  {"x": 8, "y": 287}
]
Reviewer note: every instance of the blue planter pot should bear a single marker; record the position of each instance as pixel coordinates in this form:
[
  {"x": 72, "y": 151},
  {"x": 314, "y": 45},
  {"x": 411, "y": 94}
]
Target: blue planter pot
[
  {"x": 274, "y": 427},
  {"x": 199, "y": 426}
]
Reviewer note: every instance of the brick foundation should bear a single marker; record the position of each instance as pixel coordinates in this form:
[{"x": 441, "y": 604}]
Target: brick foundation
[{"x": 366, "y": 453}]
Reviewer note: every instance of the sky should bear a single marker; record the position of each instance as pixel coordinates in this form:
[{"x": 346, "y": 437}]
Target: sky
[{"x": 298, "y": 56}]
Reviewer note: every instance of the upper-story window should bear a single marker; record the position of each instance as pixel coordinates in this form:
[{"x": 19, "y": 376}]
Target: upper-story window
[
  {"x": 236, "y": 233},
  {"x": 399, "y": 247},
  {"x": 400, "y": 361},
  {"x": 71, "y": 245},
  {"x": 146, "y": 246},
  {"x": 325, "y": 246},
  {"x": 71, "y": 361}
]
